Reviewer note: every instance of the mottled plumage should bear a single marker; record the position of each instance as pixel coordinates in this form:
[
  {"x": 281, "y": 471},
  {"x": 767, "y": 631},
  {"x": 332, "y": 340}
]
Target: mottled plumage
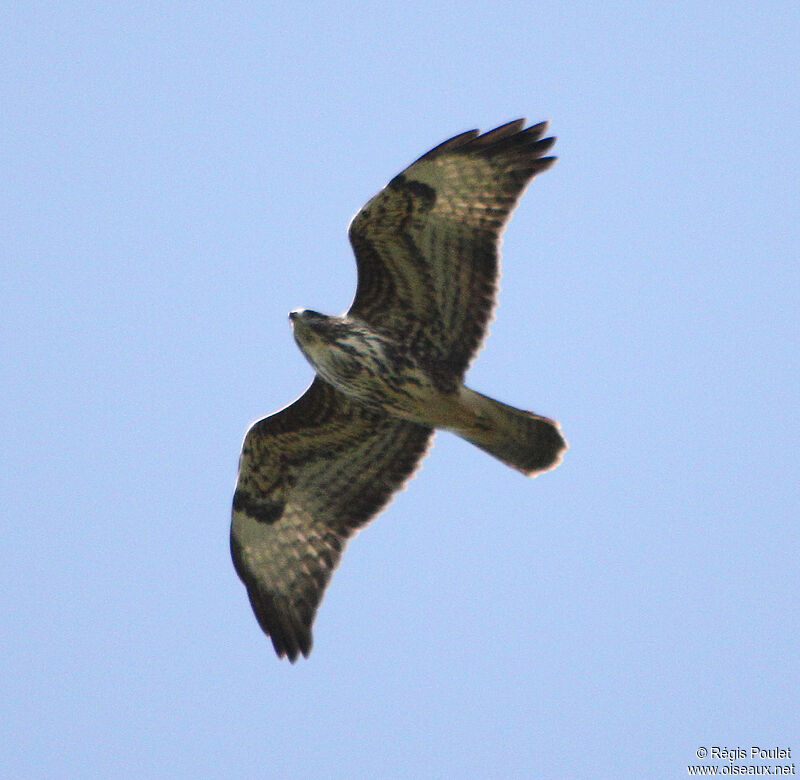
[{"x": 389, "y": 372}]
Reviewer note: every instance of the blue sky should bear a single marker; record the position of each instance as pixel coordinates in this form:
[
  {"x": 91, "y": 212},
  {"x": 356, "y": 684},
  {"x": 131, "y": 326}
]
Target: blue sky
[{"x": 177, "y": 177}]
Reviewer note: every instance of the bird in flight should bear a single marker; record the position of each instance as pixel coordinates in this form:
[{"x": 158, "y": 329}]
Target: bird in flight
[{"x": 388, "y": 373}]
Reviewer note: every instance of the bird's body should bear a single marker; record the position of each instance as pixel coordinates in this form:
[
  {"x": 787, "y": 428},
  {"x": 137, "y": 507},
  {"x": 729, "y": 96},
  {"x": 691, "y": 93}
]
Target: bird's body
[
  {"x": 385, "y": 374},
  {"x": 361, "y": 363},
  {"x": 388, "y": 373},
  {"x": 373, "y": 369}
]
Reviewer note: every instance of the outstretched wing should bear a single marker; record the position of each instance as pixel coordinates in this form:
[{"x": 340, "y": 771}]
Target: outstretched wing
[
  {"x": 427, "y": 244},
  {"x": 309, "y": 476}
]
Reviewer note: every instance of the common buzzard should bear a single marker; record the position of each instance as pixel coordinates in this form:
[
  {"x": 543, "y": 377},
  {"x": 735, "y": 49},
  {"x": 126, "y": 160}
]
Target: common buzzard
[{"x": 388, "y": 373}]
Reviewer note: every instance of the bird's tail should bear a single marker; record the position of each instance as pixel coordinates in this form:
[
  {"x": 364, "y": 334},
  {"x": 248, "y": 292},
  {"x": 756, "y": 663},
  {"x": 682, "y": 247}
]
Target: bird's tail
[{"x": 522, "y": 440}]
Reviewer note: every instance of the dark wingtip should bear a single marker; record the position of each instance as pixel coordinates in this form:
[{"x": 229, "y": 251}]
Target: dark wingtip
[
  {"x": 543, "y": 163},
  {"x": 514, "y": 127},
  {"x": 290, "y": 653},
  {"x": 452, "y": 143},
  {"x": 289, "y": 633},
  {"x": 291, "y": 643},
  {"x": 511, "y": 133},
  {"x": 291, "y": 647}
]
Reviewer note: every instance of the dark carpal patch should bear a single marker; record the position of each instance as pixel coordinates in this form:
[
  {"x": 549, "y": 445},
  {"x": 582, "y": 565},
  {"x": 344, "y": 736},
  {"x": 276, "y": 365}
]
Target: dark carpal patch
[
  {"x": 263, "y": 510},
  {"x": 424, "y": 195}
]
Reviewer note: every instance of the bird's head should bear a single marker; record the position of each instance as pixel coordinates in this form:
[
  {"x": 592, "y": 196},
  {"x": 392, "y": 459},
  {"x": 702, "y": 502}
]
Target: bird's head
[
  {"x": 312, "y": 330},
  {"x": 306, "y": 316},
  {"x": 307, "y": 323},
  {"x": 318, "y": 334}
]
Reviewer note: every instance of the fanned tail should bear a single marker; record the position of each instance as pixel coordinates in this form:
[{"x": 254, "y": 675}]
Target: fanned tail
[{"x": 525, "y": 441}]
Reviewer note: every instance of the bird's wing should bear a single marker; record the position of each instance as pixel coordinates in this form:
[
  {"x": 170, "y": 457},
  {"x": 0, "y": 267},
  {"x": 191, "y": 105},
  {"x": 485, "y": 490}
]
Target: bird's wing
[
  {"x": 426, "y": 245},
  {"x": 309, "y": 476}
]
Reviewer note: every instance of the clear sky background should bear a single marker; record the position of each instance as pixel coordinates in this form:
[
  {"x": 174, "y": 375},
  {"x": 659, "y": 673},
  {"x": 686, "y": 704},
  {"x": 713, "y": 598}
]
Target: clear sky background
[{"x": 177, "y": 176}]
